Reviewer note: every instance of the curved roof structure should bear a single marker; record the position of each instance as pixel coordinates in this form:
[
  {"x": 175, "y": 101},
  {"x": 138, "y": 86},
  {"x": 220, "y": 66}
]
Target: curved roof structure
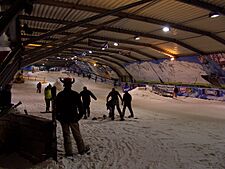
[{"x": 59, "y": 29}]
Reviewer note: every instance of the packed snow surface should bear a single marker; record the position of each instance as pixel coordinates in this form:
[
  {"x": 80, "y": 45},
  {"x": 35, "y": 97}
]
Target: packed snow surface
[{"x": 166, "y": 133}]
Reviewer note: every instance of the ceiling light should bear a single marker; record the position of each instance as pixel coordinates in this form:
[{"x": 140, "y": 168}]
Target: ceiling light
[
  {"x": 95, "y": 64},
  {"x": 115, "y": 44},
  {"x": 89, "y": 51},
  {"x": 214, "y": 14},
  {"x": 33, "y": 45},
  {"x": 172, "y": 59},
  {"x": 137, "y": 38},
  {"x": 166, "y": 29},
  {"x": 103, "y": 48}
]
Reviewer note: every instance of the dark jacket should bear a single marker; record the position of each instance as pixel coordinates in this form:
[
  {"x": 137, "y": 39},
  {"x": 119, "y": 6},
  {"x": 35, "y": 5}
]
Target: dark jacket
[
  {"x": 86, "y": 96},
  {"x": 53, "y": 90},
  {"x": 127, "y": 98},
  {"x": 68, "y": 106},
  {"x": 114, "y": 95}
]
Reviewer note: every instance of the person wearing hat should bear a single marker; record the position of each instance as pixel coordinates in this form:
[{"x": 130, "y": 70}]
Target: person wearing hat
[
  {"x": 86, "y": 98},
  {"x": 69, "y": 111}
]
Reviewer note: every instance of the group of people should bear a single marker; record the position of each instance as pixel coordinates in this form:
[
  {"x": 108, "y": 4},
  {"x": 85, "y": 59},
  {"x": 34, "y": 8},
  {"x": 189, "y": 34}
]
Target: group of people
[
  {"x": 114, "y": 102},
  {"x": 71, "y": 106}
]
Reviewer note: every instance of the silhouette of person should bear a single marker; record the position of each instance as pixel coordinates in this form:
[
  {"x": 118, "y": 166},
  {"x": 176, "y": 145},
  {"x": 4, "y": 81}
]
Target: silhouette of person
[
  {"x": 53, "y": 92},
  {"x": 69, "y": 111},
  {"x": 115, "y": 102},
  {"x": 39, "y": 87},
  {"x": 127, "y": 98},
  {"x": 48, "y": 96},
  {"x": 86, "y": 98},
  {"x": 175, "y": 91}
]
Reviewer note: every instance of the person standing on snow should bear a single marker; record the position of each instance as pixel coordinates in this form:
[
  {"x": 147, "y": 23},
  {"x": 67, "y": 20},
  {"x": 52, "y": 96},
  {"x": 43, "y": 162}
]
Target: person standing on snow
[
  {"x": 69, "y": 111},
  {"x": 48, "y": 96},
  {"x": 127, "y": 98},
  {"x": 86, "y": 98},
  {"x": 53, "y": 92},
  {"x": 175, "y": 91},
  {"x": 115, "y": 102},
  {"x": 39, "y": 87}
]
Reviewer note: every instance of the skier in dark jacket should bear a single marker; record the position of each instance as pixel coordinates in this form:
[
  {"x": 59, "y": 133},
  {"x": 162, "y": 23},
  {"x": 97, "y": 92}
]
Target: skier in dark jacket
[
  {"x": 127, "y": 98},
  {"x": 69, "y": 111},
  {"x": 115, "y": 102},
  {"x": 86, "y": 98}
]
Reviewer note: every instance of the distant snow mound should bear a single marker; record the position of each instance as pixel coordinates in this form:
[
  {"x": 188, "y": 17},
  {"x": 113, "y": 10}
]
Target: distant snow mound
[
  {"x": 140, "y": 91},
  {"x": 167, "y": 71}
]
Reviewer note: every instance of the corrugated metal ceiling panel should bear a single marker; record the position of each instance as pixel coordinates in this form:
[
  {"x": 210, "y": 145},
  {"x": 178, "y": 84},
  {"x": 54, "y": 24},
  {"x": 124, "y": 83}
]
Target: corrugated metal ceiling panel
[
  {"x": 206, "y": 44},
  {"x": 46, "y": 11},
  {"x": 175, "y": 49},
  {"x": 108, "y": 4},
  {"x": 174, "y": 11},
  {"x": 111, "y": 19},
  {"x": 222, "y": 35},
  {"x": 113, "y": 35},
  {"x": 217, "y": 2},
  {"x": 167, "y": 10},
  {"x": 153, "y": 52},
  {"x": 148, "y": 40},
  {"x": 208, "y": 24},
  {"x": 135, "y": 25},
  {"x": 175, "y": 33}
]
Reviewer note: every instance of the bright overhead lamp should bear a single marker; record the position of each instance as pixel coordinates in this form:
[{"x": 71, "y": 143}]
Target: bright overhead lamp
[
  {"x": 166, "y": 29},
  {"x": 90, "y": 51},
  {"x": 34, "y": 45},
  {"x": 172, "y": 59},
  {"x": 95, "y": 64},
  {"x": 103, "y": 48},
  {"x": 214, "y": 14},
  {"x": 137, "y": 38},
  {"x": 116, "y": 44}
]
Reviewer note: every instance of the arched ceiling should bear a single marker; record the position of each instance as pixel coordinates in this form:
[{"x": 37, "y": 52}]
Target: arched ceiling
[{"x": 62, "y": 28}]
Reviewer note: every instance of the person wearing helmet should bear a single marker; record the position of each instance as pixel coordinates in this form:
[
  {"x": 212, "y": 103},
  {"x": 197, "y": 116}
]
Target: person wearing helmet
[{"x": 69, "y": 111}]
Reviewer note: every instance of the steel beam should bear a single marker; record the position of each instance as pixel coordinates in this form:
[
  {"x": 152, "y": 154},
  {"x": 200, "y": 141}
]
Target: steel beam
[
  {"x": 204, "y": 5},
  {"x": 134, "y": 17},
  {"x": 112, "y": 29},
  {"x": 90, "y": 19}
]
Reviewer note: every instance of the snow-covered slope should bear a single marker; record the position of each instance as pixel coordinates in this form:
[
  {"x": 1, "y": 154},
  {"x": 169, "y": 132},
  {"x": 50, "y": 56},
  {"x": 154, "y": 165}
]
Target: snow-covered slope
[{"x": 168, "y": 71}]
